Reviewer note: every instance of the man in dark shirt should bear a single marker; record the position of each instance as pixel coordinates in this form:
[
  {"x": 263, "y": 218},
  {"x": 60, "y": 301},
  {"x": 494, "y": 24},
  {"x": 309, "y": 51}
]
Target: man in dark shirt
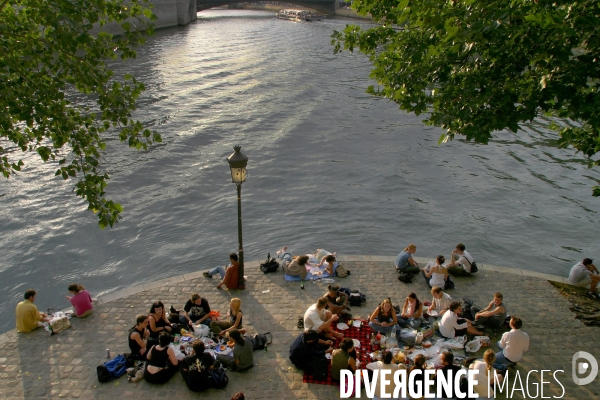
[
  {"x": 196, "y": 311},
  {"x": 306, "y": 347},
  {"x": 195, "y": 368}
]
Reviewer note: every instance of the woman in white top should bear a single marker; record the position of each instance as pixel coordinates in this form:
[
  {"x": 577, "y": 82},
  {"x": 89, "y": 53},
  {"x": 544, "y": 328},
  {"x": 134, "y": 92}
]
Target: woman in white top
[
  {"x": 411, "y": 312},
  {"x": 385, "y": 364},
  {"x": 451, "y": 325},
  {"x": 485, "y": 376},
  {"x": 435, "y": 274}
]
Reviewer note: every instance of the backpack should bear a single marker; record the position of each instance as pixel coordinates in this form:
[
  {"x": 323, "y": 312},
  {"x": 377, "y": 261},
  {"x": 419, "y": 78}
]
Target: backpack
[
  {"x": 449, "y": 283},
  {"x": 405, "y": 277},
  {"x": 218, "y": 378},
  {"x": 341, "y": 271},
  {"x": 112, "y": 369},
  {"x": 270, "y": 265},
  {"x": 356, "y": 298},
  {"x": 319, "y": 368},
  {"x": 262, "y": 340},
  {"x": 466, "y": 307}
]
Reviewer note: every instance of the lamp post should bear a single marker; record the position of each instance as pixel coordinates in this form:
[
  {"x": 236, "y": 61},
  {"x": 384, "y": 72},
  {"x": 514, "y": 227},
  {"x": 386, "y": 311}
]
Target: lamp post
[{"x": 237, "y": 163}]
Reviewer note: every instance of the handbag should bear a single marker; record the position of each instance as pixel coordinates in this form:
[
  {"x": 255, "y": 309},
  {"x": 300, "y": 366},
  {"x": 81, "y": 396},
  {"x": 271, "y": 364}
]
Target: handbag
[
  {"x": 473, "y": 265},
  {"x": 341, "y": 271},
  {"x": 449, "y": 283}
]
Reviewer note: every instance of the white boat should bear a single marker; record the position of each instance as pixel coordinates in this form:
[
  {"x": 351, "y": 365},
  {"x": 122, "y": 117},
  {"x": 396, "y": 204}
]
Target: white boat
[{"x": 298, "y": 15}]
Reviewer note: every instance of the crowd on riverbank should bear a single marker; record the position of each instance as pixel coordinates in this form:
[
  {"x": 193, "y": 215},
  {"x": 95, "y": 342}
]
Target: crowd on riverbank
[{"x": 382, "y": 317}]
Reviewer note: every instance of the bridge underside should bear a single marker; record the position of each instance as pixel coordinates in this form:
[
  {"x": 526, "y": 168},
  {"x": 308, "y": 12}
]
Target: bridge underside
[{"x": 324, "y": 6}]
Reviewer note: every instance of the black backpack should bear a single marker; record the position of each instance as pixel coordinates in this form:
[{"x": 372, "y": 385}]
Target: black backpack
[
  {"x": 262, "y": 340},
  {"x": 319, "y": 368},
  {"x": 405, "y": 277},
  {"x": 270, "y": 265}
]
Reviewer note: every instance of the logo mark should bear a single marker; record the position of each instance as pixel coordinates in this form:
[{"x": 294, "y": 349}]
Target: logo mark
[{"x": 582, "y": 367}]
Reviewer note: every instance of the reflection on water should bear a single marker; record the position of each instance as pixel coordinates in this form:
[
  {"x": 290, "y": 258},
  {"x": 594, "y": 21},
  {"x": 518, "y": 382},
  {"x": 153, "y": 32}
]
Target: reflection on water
[{"x": 329, "y": 167}]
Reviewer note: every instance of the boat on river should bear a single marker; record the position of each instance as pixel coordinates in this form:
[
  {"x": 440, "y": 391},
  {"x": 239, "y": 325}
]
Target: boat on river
[{"x": 299, "y": 15}]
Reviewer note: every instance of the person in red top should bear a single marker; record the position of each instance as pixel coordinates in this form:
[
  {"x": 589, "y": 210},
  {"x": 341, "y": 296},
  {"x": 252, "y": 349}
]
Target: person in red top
[
  {"x": 81, "y": 300},
  {"x": 230, "y": 275}
]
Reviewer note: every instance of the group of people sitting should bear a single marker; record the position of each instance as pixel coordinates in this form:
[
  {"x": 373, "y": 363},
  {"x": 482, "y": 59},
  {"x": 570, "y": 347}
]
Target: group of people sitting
[
  {"x": 318, "y": 337},
  {"x": 150, "y": 339},
  {"x": 437, "y": 273}
]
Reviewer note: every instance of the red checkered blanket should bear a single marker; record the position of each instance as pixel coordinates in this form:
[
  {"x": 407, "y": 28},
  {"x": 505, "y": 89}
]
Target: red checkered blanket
[{"x": 365, "y": 346}]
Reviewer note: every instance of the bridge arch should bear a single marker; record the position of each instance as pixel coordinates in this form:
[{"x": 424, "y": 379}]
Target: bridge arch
[{"x": 323, "y": 6}]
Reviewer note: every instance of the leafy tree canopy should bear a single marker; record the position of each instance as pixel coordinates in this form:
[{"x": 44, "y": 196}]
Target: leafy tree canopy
[
  {"x": 49, "y": 55},
  {"x": 478, "y": 66}
]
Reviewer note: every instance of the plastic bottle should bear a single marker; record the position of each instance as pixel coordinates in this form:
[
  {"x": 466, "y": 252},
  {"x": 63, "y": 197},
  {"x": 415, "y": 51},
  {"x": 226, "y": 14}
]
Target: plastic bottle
[{"x": 394, "y": 331}]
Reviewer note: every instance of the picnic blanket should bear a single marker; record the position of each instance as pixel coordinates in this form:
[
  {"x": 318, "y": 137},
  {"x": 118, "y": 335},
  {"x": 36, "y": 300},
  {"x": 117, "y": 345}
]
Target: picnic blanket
[
  {"x": 316, "y": 273},
  {"x": 362, "y": 352}
]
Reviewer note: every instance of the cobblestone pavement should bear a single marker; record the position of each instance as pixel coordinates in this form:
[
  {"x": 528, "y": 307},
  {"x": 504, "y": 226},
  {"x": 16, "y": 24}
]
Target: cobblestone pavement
[{"x": 40, "y": 366}]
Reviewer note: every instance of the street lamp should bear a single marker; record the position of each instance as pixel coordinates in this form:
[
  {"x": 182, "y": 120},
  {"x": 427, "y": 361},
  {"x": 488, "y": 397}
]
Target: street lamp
[{"x": 237, "y": 163}]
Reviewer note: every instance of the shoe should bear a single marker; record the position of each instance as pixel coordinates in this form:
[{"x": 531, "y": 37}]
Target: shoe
[
  {"x": 302, "y": 286},
  {"x": 207, "y": 275},
  {"x": 479, "y": 327},
  {"x": 300, "y": 324},
  {"x": 592, "y": 295}
]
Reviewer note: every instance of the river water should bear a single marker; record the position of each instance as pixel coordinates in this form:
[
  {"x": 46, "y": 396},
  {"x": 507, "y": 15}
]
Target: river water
[{"x": 330, "y": 166}]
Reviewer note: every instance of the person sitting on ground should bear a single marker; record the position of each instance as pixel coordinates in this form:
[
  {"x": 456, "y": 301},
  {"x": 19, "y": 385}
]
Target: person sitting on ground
[
  {"x": 294, "y": 266},
  {"x": 157, "y": 321},
  {"x": 384, "y": 317},
  {"x": 195, "y": 311},
  {"x": 330, "y": 264},
  {"x": 233, "y": 321},
  {"x": 513, "y": 344},
  {"x": 419, "y": 366},
  {"x": 138, "y": 338},
  {"x": 337, "y": 301},
  {"x": 243, "y": 356},
  {"x": 319, "y": 319},
  {"x": 441, "y": 303},
  {"x": 460, "y": 261},
  {"x": 412, "y": 311},
  {"x": 435, "y": 273},
  {"x": 585, "y": 273},
  {"x": 81, "y": 300},
  {"x": 162, "y": 363},
  {"x": 486, "y": 375},
  {"x": 451, "y": 325},
  {"x": 306, "y": 347},
  {"x": 492, "y": 316},
  {"x": 386, "y": 363},
  {"x": 27, "y": 314},
  {"x": 196, "y": 367},
  {"x": 449, "y": 371},
  {"x": 229, "y": 276},
  {"x": 404, "y": 261},
  {"x": 343, "y": 358}
]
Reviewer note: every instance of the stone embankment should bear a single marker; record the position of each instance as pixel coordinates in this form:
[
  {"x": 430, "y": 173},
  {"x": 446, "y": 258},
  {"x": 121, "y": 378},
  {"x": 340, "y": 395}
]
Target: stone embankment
[{"x": 37, "y": 365}]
